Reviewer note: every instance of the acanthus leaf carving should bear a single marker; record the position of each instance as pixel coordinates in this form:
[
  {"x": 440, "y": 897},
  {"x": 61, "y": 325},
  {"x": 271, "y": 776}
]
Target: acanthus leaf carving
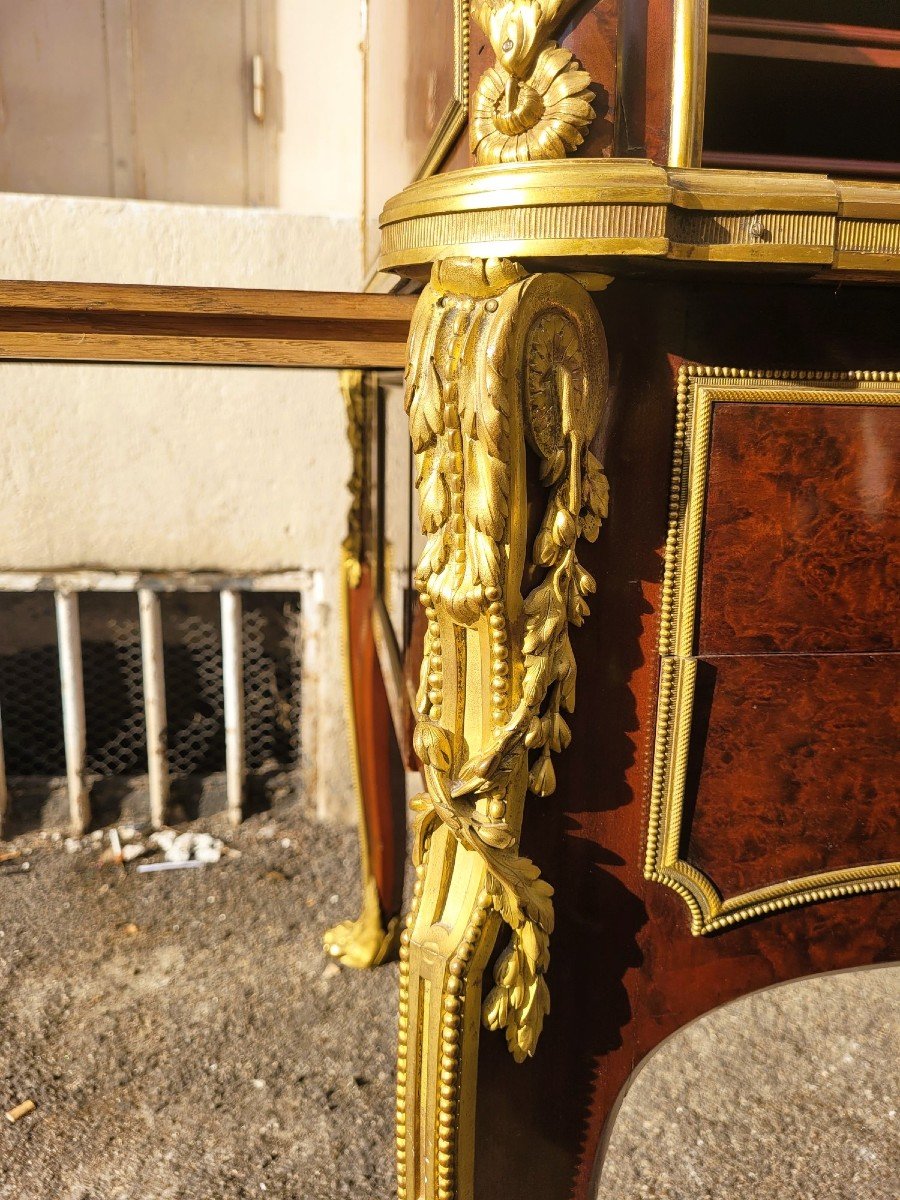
[{"x": 501, "y": 360}]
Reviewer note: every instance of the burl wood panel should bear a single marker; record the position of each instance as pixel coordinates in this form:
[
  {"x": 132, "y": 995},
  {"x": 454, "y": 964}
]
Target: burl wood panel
[
  {"x": 625, "y": 971},
  {"x": 802, "y": 529},
  {"x": 793, "y": 766}
]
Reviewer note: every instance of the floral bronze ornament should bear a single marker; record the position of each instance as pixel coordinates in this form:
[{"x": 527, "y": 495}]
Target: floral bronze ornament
[
  {"x": 499, "y": 361},
  {"x": 535, "y": 102}
]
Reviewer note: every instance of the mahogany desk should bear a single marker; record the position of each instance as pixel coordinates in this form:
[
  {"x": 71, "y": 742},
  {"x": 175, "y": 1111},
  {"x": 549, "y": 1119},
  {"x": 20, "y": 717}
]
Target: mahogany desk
[
  {"x": 653, "y": 414},
  {"x": 714, "y": 805}
]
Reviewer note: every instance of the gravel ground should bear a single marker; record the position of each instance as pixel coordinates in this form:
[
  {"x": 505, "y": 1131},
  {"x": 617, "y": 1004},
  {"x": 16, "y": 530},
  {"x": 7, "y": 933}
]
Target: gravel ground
[{"x": 183, "y": 1037}]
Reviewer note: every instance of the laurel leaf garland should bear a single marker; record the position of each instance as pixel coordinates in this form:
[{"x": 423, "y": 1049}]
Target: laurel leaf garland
[{"x": 460, "y": 438}]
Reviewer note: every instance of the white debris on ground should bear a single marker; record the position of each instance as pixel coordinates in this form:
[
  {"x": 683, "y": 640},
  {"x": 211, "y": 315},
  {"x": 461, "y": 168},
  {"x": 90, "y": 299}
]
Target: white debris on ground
[
  {"x": 132, "y": 840},
  {"x": 130, "y": 832},
  {"x": 190, "y": 846},
  {"x": 129, "y": 1005}
]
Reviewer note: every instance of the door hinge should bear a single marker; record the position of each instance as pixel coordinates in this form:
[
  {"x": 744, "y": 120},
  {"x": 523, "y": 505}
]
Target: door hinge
[{"x": 258, "y": 76}]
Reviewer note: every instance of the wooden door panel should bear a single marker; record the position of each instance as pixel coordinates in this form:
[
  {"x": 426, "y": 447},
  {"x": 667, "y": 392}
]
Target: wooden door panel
[
  {"x": 190, "y": 101},
  {"x": 141, "y": 98},
  {"x": 54, "y": 127}
]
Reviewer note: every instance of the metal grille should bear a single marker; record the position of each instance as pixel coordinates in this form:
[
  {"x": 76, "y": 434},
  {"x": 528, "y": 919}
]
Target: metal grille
[
  {"x": 114, "y": 689},
  {"x": 30, "y": 692},
  {"x": 272, "y": 688},
  {"x": 192, "y": 652}
]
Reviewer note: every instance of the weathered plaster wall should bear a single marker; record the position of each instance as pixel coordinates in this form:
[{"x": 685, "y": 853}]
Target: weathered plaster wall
[
  {"x": 175, "y": 468},
  {"x": 138, "y": 241},
  {"x": 183, "y": 467},
  {"x": 170, "y": 468}
]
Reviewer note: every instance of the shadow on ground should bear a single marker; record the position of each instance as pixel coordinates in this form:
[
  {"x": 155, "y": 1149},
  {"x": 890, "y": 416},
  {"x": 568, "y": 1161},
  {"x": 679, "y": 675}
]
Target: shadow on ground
[{"x": 184, "y": 1038}]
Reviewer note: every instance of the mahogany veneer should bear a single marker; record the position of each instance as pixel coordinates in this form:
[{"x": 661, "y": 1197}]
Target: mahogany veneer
[
  {"x": 626, "y": 971},
  {"x": 380, "y": 767}
]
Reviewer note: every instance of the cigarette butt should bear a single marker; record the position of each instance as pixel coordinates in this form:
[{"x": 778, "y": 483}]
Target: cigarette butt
[
  {"x": 20, "y": 1111},
  {"x": 15, "y": 868},
  {"x": 169, "y": 866},
  {"x": 116, "y": 847}
]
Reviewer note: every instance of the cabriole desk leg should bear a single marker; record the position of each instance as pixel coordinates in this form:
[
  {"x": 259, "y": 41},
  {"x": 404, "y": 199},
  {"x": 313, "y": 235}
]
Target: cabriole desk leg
[
  {"x": 506, "y": 381},
  {"x": 372, "y": 936}
]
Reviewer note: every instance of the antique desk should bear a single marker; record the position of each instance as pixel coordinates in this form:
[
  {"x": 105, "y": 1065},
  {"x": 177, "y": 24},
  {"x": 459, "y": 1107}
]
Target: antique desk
[
  {"x": 654, "y": 432},
  {"x": 652, "y": 403}
]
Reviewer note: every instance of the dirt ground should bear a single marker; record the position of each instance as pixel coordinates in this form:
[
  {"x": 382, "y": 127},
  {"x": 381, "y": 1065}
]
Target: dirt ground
[
  {"x": 211, "y": 1052},
  {"x": 183, "y": 1038}
]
